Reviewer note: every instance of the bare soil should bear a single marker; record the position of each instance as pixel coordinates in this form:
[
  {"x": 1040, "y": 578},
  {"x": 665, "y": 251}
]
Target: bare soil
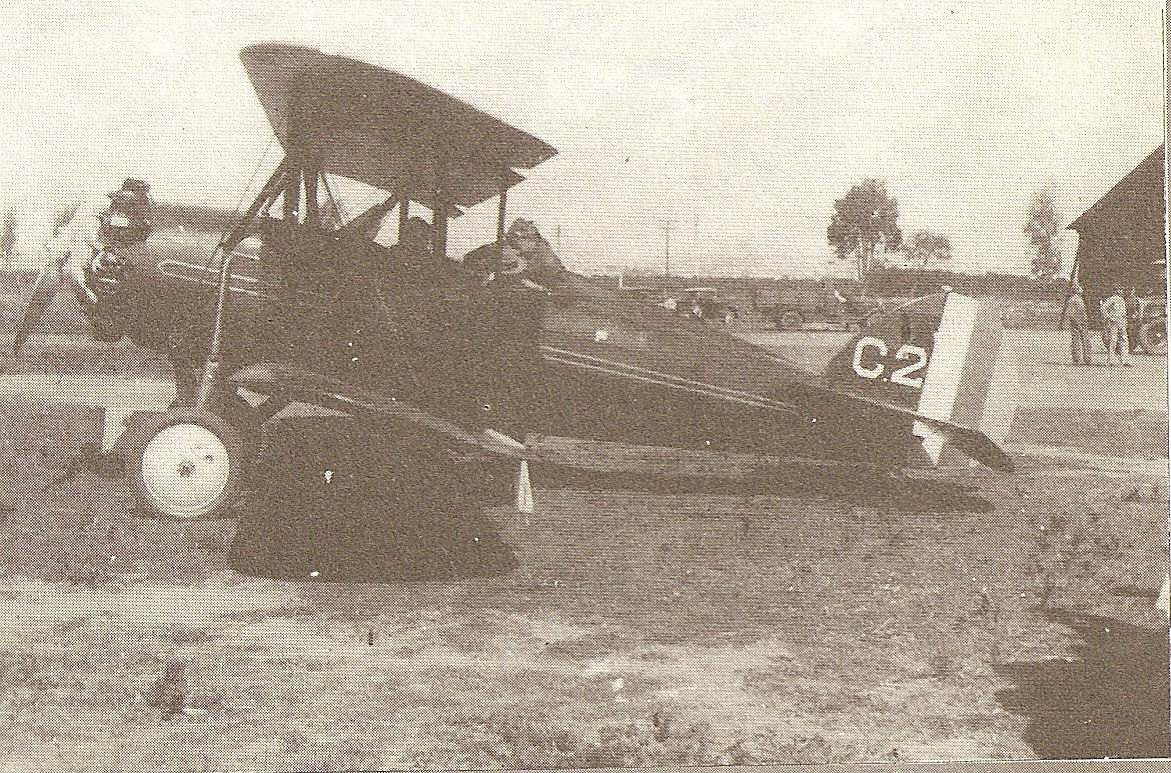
[{"x": 606, "y": 629}]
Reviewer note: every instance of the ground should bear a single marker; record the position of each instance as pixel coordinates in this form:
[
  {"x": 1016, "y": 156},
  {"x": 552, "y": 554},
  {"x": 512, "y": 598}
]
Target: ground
[{"x": 635, "y": 628}]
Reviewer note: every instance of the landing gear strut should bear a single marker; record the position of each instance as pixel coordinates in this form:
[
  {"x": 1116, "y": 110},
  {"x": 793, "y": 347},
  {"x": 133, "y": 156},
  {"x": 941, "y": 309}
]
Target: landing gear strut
[{"x": 188, "y": 464}]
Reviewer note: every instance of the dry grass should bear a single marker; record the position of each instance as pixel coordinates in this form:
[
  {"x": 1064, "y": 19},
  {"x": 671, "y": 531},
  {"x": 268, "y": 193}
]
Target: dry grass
[{"x": 639, "y": 629}]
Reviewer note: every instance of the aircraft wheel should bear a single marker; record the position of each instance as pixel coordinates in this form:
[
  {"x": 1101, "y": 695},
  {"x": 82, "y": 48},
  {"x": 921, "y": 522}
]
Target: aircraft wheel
[
  {"x": 187, "y": 465},
  {"x": 1152, "y": 336},
  {"x": 791, "y": 320}
]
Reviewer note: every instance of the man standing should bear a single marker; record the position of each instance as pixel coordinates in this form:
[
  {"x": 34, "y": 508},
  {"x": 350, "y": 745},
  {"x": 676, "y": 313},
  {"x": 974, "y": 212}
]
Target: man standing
[
  {"x": 1134, "y": 313},
  {"x": 1074, "y": 318},
  {"x": 1117, "y": 344}
]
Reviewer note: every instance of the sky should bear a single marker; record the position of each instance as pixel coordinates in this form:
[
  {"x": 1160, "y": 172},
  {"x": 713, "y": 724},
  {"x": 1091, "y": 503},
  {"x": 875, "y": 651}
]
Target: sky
[{"x": 739, "y": 122}]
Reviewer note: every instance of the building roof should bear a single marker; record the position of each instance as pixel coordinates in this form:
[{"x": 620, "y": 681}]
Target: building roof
[{"x": 1150, "y": 169}]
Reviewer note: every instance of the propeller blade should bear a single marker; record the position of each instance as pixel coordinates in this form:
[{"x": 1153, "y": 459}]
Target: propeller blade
[{"x": 49, "y": 280}]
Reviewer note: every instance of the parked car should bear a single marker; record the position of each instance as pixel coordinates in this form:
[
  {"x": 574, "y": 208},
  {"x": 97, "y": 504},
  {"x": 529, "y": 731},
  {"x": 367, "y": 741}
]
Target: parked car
[
  {"x": 1149, "y": 325},
  {"x": 791, "y": 308},
  {"x": 702, "y": 303}
]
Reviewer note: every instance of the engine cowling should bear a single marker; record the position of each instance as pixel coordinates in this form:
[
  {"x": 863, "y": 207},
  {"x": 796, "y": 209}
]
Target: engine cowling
[{"x": 108, "y": 308}]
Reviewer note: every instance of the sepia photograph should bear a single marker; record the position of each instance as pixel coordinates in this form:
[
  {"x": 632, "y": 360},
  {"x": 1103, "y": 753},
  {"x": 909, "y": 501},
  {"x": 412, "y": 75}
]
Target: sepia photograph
[{"x": 576, "y": 384}]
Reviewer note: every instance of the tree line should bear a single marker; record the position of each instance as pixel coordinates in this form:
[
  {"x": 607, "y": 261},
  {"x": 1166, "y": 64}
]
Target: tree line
[{"x": 864, "y": 229}]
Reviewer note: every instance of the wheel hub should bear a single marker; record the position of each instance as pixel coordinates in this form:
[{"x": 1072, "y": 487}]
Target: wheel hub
[{"x": 186, "y": 469}]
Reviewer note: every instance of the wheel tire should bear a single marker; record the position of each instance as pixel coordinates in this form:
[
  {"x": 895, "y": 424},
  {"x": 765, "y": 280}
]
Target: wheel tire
[
  {"x": 186, "y": 465},
  {"x": 791, "y": 320},
  {"x": 1152, "y": 336}
]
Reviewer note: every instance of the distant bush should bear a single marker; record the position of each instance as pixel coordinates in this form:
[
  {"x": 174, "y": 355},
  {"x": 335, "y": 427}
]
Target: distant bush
[
  {"x": 749, "y": 293},
  {"x": 7, "y": 236},
  {"x": 916, "y": 282}
]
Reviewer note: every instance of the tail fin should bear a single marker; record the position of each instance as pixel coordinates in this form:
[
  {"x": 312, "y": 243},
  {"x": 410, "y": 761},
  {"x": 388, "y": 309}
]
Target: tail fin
[{"x": 939, "y": 358}]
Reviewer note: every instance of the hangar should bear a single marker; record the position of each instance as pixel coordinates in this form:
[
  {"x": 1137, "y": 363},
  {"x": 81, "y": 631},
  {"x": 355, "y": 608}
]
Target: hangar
[{"x": 1121, "y": 237}]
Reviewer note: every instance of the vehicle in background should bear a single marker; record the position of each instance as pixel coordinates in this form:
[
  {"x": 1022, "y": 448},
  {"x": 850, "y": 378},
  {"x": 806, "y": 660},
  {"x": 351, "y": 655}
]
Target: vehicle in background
[
  {"x": 1150, "y": 325},
  {"x": 702, "y": 303},
  {"x": 792, "y": 307}
]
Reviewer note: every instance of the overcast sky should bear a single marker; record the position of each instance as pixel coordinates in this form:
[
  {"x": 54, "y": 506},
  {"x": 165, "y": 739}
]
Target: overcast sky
[{"x": 740, "y": 121}]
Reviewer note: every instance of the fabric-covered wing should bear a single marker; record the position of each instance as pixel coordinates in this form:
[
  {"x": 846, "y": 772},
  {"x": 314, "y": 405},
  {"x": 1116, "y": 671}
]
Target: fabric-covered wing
[{"x": 385, "y": 129}]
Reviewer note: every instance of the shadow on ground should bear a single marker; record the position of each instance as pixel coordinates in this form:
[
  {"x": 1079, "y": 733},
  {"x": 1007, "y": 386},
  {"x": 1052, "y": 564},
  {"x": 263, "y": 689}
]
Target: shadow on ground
[
  {"x": 1111, "y": 701},
  {"x": 338, "y": 500},
  {"x": 847, "y": 487},
  {"x": 334, "y": 500}
]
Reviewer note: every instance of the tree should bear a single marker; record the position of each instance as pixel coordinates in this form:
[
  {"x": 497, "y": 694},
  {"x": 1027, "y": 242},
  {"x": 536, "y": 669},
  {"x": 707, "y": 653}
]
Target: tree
[
  {"x": 864, "y": 219},
  {"x": 1041, "y": 228},
  {"x": 926, "y": 248}
]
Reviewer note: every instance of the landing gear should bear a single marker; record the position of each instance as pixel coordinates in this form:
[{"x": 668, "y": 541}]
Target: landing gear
[{"x": 186, "y": 465}]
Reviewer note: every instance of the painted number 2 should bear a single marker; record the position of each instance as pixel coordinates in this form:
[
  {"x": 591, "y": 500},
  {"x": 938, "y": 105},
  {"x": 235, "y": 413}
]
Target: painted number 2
[{"x": 870, "y": 361}]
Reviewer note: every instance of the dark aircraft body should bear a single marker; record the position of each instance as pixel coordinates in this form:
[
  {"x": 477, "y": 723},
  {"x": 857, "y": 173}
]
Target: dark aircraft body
[
  {"x": 582, "y": 359},
  {"x": 493, "y": 356}
]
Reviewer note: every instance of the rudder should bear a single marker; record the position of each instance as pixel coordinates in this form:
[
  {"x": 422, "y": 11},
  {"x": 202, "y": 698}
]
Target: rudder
[{"x": 940, "y": 357}]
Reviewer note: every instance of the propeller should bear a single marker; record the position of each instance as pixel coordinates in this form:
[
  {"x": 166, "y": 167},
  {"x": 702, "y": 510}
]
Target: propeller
[
  {"x": 64, "y": 270},
  {"x": 49, "y": 281}
]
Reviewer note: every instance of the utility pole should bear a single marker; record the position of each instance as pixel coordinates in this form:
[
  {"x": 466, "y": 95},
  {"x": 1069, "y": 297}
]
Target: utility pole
[{"x": 667, "y": 226}]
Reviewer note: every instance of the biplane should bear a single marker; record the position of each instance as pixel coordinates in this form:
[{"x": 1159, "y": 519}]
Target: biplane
[{"x": 475, "y": 363}]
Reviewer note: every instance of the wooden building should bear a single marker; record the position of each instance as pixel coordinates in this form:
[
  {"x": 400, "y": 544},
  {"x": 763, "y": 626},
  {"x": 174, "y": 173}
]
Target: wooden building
[{"x": 1121, "y": 238}]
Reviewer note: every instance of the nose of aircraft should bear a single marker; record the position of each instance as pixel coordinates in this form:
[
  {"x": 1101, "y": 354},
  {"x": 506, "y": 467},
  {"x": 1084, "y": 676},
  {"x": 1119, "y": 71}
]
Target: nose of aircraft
[{"x": 101, "y": 278}]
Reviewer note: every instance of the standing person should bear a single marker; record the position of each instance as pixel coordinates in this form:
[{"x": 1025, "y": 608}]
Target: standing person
[
  {"x": 1117, "y": 344},
  {"x": 1074, "y": 318},
  {"x": 1134, "y": 313}
]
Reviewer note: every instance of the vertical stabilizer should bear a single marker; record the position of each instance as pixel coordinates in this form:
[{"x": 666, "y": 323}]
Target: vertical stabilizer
[{"x": 940, "y": 357}]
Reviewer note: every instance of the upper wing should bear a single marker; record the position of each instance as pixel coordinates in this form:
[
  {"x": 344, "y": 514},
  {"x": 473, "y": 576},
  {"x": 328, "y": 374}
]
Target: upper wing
[{"x": 385, "y": 129}]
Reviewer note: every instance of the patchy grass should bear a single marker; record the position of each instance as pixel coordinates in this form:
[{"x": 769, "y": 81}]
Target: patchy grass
[
  {"x": 819, "y": 637},
  {"x": 639, "y": 629}
]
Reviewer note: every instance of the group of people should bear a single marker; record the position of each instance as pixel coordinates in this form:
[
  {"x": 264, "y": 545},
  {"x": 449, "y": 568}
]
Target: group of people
[{"x": 1115, "y": 335}]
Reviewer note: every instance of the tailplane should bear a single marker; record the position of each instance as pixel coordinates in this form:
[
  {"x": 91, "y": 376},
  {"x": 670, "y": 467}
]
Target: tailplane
[{"x": 940, "y": 360}]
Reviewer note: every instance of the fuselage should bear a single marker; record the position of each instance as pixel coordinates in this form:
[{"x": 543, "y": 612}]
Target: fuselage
[{"x": 582, "y": 360}]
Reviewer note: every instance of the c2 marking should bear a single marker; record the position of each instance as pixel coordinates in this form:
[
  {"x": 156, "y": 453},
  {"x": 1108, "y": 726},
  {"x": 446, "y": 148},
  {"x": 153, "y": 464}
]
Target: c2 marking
[
  {"x": 918, "y": 360},
  {"x": 872, "y": 366},
  {"x": 875, "y": 370}
]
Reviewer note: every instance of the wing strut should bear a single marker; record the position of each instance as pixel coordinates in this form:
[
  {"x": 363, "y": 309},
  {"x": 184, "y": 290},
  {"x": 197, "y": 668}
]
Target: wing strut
[
  {"x": 404, "y": 214},
  {"x": 439, "y": 214},
  {"x": 264, "y": 199},
  {"x": 501, "y": 211}
]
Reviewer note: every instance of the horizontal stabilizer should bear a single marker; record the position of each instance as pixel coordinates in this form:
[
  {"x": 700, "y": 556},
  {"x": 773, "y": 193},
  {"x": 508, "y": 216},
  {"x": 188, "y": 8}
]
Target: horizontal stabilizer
[
  {"x": 937, "y": 359},
  {"x": 972, "y": 442}
]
